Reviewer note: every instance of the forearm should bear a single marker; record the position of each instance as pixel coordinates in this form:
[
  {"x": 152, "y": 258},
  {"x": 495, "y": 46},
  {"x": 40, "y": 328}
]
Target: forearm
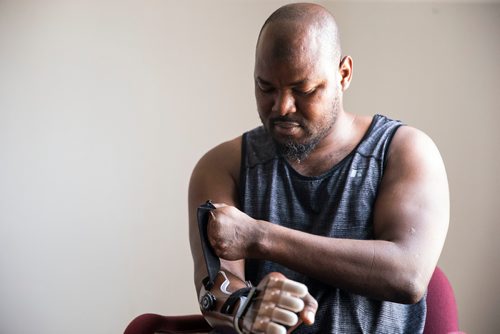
[{"x": 375, "y": 268}]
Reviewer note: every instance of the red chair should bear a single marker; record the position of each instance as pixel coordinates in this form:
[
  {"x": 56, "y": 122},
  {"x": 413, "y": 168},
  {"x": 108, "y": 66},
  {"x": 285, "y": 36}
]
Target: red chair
[
  {"x": 442, "y": 316},
  {"x": 153, "y": 323}
]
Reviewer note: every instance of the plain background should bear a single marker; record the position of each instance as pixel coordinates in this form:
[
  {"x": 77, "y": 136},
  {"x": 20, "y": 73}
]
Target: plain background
[{"x": 106, "y": 106}]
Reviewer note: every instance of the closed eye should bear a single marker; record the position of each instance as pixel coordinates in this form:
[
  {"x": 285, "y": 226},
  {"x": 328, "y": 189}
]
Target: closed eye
[
  {"x": 306, "y": 91},
  {"x": 265, "y": 88}
]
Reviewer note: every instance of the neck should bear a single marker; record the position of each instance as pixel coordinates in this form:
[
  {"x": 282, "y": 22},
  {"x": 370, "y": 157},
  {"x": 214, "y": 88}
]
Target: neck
[{"x": 340, "y": 141}]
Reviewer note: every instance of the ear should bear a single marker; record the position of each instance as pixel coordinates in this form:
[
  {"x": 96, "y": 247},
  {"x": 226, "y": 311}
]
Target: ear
[{"x": 345, "y": 71}]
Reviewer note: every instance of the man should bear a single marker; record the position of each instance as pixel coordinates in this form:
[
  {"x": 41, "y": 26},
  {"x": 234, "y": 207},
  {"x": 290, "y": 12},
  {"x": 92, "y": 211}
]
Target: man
[{"x": 354, "y": 208}]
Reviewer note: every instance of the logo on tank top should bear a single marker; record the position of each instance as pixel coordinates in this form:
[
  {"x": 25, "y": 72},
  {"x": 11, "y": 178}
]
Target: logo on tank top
[{"x": 355, "y": 173}]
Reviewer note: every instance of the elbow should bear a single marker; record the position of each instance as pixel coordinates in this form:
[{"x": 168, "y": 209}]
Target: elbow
[
  {"x": 411, "y": 290},
  {"x": 413, "y": 294}
]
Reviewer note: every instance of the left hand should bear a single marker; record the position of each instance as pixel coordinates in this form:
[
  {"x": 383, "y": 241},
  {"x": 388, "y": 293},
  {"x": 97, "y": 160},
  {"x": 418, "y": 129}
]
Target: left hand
[{"x": 231, "y": 232}]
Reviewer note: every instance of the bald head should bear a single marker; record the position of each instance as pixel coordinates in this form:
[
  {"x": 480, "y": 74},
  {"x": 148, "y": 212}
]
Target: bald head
[
  {"x": 299, "y": 78},
  {"x": 289, "y": 25}
]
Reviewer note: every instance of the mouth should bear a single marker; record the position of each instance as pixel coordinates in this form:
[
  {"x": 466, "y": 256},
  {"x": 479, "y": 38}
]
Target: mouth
[{"x": 286, "y": 128}]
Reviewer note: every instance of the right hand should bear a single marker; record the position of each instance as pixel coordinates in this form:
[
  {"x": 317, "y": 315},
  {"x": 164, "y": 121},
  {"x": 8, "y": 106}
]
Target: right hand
[
  {"x": 231, "y": 232},
  {"x": 281, "y": 304}
]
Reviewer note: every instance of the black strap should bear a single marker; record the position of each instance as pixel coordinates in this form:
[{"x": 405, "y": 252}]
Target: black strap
[
  {"x": 211, "y": 260},
  {"x": 228, "y": 307}
]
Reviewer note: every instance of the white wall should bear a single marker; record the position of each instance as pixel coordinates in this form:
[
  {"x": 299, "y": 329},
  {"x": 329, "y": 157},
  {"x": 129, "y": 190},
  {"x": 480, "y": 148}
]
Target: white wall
[{"x": 105, "y": 107}]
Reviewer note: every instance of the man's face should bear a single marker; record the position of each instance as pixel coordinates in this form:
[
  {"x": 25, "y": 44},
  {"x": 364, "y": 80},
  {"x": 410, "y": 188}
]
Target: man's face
[{"x": 297, "y": 91}]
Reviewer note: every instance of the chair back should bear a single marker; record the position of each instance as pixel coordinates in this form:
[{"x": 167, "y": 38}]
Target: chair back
[
  {"x": 182, "y": 324},
  {"x": 442, "y": 314}
]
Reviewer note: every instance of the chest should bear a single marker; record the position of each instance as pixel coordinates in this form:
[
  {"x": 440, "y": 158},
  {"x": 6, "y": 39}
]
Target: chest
[{"x": 337, "y": 204}]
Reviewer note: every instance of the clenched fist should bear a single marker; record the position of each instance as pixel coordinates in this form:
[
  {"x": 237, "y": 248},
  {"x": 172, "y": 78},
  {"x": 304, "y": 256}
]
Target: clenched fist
[{"x": 232, "y": 233}]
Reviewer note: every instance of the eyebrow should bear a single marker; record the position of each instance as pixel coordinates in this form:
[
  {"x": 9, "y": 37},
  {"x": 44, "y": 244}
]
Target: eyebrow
[{"x": 295, "y": 83}]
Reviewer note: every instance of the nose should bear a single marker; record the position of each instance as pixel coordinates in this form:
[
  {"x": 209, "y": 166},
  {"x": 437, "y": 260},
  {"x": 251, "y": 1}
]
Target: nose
[{"x": 284, "y": 103}]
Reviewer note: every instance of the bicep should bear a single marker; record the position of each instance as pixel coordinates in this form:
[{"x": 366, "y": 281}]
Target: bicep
[{"x": 412, "y": 208}]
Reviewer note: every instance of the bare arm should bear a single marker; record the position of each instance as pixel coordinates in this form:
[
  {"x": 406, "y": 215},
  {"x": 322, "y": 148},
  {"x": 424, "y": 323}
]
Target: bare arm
[
  {"x": 410, "y": 223},
  {"x": 216, "y": 178}
]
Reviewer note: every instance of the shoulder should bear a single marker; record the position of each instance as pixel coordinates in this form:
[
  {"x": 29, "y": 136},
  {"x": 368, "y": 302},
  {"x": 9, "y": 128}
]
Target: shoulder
[
  {"x": 409, "y": 141},
  {"x": 223, "y": 158},
  {"x": 216, "y": 175},
  {"x": 414, "y": 154}
]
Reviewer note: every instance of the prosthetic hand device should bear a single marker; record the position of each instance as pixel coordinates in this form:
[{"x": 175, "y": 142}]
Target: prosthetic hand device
[
  {"x": 271, "y": 307},
  {"x": 275, "y": 308}
]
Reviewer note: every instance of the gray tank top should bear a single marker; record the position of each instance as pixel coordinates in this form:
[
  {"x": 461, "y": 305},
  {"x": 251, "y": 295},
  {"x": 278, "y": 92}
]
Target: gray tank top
[{"x": 337, "y": 204}]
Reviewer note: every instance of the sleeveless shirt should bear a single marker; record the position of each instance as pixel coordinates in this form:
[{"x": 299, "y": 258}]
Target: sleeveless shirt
[{"x": 337, "y": 204}]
